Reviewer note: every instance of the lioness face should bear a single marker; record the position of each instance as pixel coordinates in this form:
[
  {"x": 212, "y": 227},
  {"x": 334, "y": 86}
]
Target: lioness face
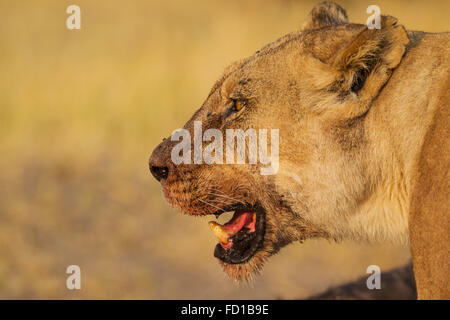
[
  {"x": 321, "y": 168},
  {"x": 270, "y": 210}
]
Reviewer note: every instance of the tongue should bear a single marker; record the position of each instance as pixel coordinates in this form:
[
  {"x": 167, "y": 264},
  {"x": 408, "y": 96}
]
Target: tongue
[{"x": 240, "y": 220}]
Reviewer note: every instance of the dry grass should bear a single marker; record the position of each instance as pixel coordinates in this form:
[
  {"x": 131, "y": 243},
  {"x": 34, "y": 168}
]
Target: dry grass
[{"x": 80, "y": 112}]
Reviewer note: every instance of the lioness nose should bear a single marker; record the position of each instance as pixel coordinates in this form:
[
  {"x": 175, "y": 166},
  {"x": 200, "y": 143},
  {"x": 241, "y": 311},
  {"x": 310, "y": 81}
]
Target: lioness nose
[
  {"x": 159, "y": 161},
  {"x": 159, "y": 172}
]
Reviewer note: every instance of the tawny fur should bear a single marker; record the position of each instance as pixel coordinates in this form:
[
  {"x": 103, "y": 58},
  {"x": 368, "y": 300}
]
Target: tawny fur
[{"x": 364, "y": 152}]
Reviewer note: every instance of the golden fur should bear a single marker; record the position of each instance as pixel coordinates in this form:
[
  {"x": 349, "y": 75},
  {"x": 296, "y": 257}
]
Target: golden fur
[{"x": 364, "y": 151}]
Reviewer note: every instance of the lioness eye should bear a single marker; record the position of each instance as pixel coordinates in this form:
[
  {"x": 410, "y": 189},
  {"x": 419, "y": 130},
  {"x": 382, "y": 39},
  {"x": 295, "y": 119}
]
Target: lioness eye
[{"x": 237, "y": 105}]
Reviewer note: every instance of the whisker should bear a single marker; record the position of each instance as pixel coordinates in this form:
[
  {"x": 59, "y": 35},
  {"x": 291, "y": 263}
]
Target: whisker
[
  {"x": 217, "y": 200},
  {"x": 224, "y": 196},
  {"x": 211, "y": 205},
  {"x": 218, "y": 190}
]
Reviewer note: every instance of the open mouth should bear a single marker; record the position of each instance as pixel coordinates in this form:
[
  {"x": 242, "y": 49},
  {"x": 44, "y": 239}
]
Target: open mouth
[{"x": 242, "y": 236}]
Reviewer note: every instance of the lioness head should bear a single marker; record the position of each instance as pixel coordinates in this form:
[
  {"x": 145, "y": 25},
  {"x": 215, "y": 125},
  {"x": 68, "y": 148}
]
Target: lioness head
[{"x": 314, "y": 88}]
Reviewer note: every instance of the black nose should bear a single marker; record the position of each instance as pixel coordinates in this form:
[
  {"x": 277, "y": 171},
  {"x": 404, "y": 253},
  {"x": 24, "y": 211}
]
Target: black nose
[
  {"x": 159, "y": 161},
  {"x": 159, "y": 172}
]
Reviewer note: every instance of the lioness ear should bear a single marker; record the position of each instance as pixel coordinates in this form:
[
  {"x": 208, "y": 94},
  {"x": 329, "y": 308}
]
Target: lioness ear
[
  {"x": 365, "y": 65},
  {"x": 325, "y": 14}
]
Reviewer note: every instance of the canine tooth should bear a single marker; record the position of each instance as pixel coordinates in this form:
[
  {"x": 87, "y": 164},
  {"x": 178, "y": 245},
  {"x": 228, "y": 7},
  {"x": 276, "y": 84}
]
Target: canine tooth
[{"x": 221, "y": 233}]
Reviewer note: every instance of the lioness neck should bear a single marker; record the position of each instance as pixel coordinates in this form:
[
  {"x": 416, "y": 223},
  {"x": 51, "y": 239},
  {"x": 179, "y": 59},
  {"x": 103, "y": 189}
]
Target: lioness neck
[{"x": 396, "y": 127}]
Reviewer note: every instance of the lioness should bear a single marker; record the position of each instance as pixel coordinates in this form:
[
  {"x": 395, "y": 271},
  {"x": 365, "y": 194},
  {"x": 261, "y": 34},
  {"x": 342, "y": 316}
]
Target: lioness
[{"x": 363, "y": 123}]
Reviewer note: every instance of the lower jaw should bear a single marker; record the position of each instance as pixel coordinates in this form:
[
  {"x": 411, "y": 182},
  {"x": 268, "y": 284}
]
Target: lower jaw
[{"x": 245, "y": 272}]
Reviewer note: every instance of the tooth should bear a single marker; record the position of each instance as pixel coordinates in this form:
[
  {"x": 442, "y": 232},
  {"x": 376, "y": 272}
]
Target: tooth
[{"x": 219, "y": 231}]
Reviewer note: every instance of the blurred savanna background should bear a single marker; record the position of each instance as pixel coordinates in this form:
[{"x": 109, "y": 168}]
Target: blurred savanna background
[{"x": 80, "y": 113}]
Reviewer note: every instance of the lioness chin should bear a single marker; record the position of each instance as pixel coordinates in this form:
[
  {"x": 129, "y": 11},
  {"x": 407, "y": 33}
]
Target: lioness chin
[{"x": 363, "y": 128}]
